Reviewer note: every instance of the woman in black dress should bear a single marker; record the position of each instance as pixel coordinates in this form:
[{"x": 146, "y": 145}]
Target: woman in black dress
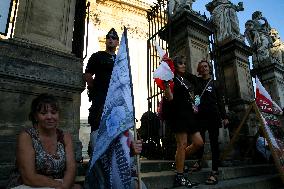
[{"x": 182, "y": 118}]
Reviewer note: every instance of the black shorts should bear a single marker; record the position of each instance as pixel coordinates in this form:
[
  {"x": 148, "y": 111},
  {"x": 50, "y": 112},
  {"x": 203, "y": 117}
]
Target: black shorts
[{"x": 184, "y": 122}]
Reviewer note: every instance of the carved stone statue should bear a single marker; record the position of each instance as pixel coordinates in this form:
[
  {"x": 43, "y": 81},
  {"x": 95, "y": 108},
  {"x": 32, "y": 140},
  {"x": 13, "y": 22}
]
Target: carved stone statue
[
  {"x": 251, "y": 34},
  {"x": 277, "y": 49},
  {"x": 260, "y": 23},
  {"x": 224, "y": 16},
  {"x": 175, "y": 6},
  {"x": 257, "y": 34}
]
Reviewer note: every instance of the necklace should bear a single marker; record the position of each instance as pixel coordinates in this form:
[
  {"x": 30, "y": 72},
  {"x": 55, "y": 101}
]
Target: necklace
[{"x": 187, "y": 88}]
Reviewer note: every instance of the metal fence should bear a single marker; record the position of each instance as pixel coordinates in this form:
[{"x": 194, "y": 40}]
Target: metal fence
[
  {"x": 157, "y": 18},
  {"x": 157, "y": 142}
]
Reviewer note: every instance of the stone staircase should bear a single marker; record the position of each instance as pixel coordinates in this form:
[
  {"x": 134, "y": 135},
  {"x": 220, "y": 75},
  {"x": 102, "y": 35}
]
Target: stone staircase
[{"x": 160, "y": 175}]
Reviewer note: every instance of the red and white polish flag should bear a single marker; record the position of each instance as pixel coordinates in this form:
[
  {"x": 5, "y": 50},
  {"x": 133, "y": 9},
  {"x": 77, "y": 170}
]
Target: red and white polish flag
[
  {"x": 264, "y": 100},
  {"x": 165, "y": 71}
]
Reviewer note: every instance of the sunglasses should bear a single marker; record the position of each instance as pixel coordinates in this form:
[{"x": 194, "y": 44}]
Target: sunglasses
[
  {"x": 112, "y": 37},
  {"x": 181, "y": 63}
]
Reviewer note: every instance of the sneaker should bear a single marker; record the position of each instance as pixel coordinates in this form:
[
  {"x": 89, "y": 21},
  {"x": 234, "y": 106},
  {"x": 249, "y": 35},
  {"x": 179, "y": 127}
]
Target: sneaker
[
  {"x": 181, "y": 181},
  {"x": 185, "y": 169}
]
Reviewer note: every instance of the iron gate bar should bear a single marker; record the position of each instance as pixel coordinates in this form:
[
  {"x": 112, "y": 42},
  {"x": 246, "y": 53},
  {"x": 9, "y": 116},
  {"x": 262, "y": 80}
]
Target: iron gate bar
[{"x": 157, "y": 18}]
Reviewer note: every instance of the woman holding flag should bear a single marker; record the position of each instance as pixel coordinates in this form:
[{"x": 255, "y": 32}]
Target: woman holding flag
[{"x": 182, "y": 120}]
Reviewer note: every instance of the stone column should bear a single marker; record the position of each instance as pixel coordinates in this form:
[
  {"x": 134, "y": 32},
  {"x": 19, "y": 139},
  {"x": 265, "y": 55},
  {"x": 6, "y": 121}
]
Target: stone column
[
  {"x": 233, "y": 71},
  {"x": 47, "y": 23},
  {"x": 189, "y": 36},
  {"x": 38, "y": 60}
]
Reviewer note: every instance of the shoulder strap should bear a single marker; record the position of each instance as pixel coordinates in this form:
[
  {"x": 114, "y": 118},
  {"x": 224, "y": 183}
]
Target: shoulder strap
[
  {"x": 187, "y": 88},
  {"x": 205, "y": 87}
]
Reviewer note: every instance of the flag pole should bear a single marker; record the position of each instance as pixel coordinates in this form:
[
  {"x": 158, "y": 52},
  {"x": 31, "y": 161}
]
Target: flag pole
[{"x": 134, "y": 128}]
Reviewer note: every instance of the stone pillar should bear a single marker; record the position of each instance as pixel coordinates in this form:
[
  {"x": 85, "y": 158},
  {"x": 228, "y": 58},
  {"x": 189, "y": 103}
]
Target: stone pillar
[
  {"x": 46, "y": 23},
  {"x": 189, "y": 36},
  {"x": 233, "y": 70},
  {"x": 38, "y": 60},
  {"x": 272, "y": 78}
]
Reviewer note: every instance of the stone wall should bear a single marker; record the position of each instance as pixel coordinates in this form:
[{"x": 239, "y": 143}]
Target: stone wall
[{"x": 27, "y": 70}]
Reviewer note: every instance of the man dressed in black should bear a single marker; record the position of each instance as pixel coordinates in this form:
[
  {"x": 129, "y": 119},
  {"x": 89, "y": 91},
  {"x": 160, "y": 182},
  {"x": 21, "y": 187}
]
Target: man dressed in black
[{"x": 100, "y": 66}]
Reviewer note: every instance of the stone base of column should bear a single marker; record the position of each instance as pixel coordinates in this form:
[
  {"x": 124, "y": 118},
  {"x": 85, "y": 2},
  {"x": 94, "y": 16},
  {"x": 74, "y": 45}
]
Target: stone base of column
[{"x": 26, "y": 71}]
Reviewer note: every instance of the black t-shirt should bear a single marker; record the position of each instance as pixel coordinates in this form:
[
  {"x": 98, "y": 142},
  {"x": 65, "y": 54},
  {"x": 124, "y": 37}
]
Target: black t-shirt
[
  {"x": 182, "y": 101},
  {"x": 211, "y": 103},
  {"x": 101, "y": 64},
  {"x": 183, "y": 92}
]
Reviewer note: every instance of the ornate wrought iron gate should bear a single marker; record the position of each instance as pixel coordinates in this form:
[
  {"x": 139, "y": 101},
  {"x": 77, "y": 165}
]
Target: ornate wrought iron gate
[
  {"x": 157, "y": 18},
  {"x": 152, "y": 129}
]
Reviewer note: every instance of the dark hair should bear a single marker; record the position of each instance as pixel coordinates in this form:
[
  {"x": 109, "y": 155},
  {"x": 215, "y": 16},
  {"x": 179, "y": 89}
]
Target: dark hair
[
  {"x": 40, "y": 102},
  {"x": 178, "y": 60},
  {"x": 210, "y": 67},
  {"x": 113, "y": 33}
]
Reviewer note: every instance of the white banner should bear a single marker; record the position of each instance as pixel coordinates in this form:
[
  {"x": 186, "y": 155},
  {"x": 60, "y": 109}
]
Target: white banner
[{"x": 5, "y": 12}]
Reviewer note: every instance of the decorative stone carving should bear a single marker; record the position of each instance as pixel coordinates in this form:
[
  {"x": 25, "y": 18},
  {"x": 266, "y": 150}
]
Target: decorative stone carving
[
  {"x": 131, "y": 14},
  {"x": 176, "y": 6},
  {"x": 257, "y": 34},
  {"x": 251, "y": 34},
  {"x": 277, "y": 49},
  {"x": 224, "y": 17}
]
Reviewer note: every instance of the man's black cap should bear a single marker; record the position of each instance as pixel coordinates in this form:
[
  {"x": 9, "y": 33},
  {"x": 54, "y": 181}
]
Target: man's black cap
[{"x": 112, "y": 33}]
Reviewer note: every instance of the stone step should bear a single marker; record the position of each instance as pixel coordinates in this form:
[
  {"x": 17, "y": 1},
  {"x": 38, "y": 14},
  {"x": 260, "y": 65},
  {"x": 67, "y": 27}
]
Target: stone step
[
  {"x": 146, "y": 166},
  {"x": 161, "y": 165},
  {"x": 270, "y": 181},
  {"x": 164, "y": 179},
  {"x": 159, "y": 174},
  {"x": 166, "y": 165}
]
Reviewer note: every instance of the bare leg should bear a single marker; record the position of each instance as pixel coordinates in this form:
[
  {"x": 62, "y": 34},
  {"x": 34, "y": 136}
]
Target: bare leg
[
  {"x": 181, "y": 140},
  {"x": 197, "y": 143}
]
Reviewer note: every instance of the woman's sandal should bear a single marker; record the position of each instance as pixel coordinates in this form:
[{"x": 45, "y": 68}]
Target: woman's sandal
[
  {"x": 196, "y": 167},
  {"x": 212, "y": 179}
]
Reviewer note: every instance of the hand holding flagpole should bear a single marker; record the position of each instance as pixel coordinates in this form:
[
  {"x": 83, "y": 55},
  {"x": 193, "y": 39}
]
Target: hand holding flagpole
[{"x": 137, "y": 156}]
